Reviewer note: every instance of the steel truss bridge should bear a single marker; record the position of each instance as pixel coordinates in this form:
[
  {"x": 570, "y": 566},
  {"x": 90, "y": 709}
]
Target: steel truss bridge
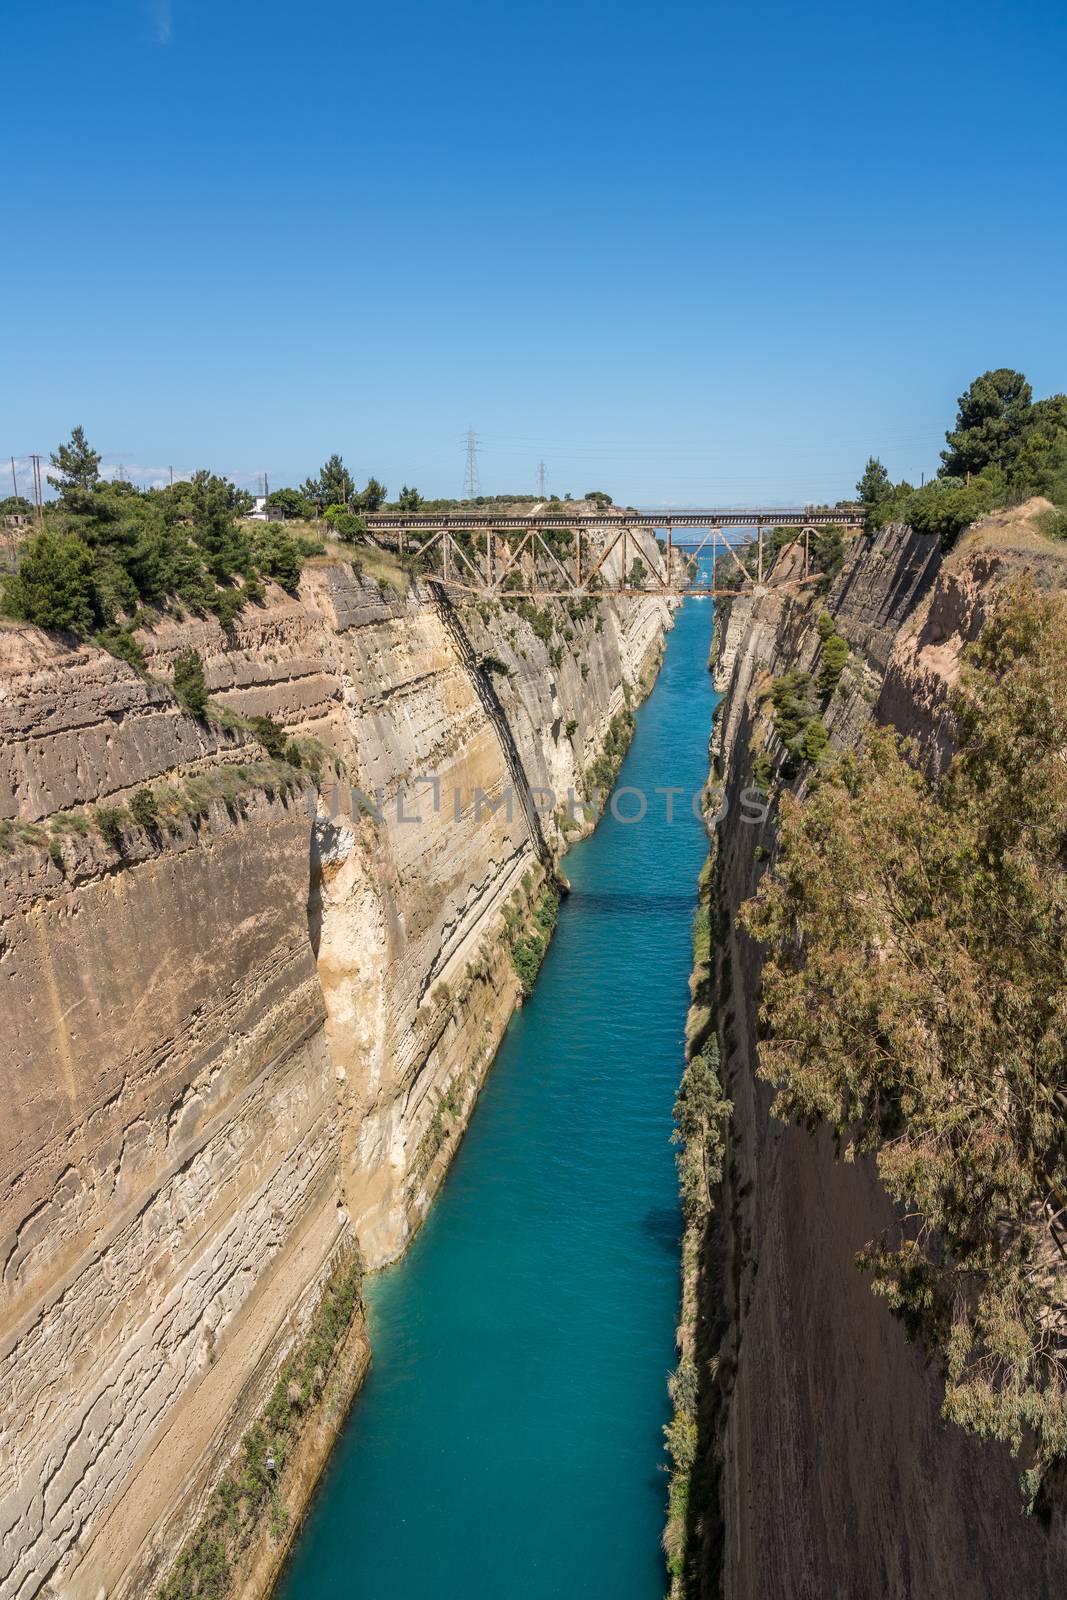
[{"x": 483, "y": 554}]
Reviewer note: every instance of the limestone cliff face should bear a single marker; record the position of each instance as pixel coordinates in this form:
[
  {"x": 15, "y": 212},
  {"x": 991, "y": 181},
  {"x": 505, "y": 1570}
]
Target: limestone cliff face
[
  {"x": 835, "y": 1474},
  {"x": 240, "y": 1048}
]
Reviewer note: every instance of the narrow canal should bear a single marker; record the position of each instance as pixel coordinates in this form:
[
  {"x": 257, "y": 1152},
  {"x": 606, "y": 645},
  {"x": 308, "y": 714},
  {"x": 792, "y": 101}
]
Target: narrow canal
[{"x": 507, "y": 1444}]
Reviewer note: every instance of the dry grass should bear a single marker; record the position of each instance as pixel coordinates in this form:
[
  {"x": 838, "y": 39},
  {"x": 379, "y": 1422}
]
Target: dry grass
[
  {"x": 381, "y": 566},
  {"x": 1016, "y": 537}
]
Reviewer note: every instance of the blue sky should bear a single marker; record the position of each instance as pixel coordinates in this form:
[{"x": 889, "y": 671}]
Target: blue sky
[{"x": 687, "y": 253}]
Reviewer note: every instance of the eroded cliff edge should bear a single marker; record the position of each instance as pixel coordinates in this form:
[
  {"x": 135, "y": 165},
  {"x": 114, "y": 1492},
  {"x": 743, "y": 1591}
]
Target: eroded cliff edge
[
  {"x": 822, "y": 1466},
  {"x": 239, "y": 1049}
]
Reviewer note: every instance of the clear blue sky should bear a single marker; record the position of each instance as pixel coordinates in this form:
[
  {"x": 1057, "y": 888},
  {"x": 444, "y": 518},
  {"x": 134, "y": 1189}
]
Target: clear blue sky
[{"x": 688, "y": 253}]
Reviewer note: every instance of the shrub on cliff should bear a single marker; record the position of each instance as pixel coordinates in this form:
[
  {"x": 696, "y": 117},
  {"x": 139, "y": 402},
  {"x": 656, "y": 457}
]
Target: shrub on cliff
[
  {"x": 279, "y": 556},
  {"x": 791, "y": 699},
  {"x": 814, "y": 741},
  {"x": 831, "y": 664},
  {"x": 109, "y": 820},
  {"x": 914, "y": 1000},
  {"x": 701, "y": 1113},
  {"x": 248, "y": 1493},
  {"x": 144, "y": 809},
  {"x": 190, "y": 688},
  {"x": 55, "y": 586},
  {"x": 528, "y": 946}
]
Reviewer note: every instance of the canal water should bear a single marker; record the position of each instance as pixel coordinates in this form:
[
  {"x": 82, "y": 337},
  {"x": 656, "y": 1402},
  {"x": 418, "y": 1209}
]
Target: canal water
[{"x": 507, "y": 1444}]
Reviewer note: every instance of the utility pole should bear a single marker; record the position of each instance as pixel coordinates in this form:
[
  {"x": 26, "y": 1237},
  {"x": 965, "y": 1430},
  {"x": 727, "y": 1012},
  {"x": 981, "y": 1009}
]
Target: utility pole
[
  {"x": 471, "y": 484},
  {"x": 38, "y": 497},
  {"x": 541, "y": 480},
  {"x": 171, "y": 471},
  {"x": 14, "y": 479}
]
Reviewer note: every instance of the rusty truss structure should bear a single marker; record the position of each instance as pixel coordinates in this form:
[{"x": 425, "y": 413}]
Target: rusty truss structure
[{"x": 556, "y": 556}]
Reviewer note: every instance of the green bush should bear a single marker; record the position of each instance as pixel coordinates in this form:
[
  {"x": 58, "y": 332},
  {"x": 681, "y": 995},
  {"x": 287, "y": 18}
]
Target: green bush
[
  {"x": 121, "y": 643},
  {"x": 345, "y": 524},
  {"x": 791, "y": 699},
  {"x": 528, "y": 948},
  {"x": 814, "y": 740},
  {"x": 540, "y": 621},
  {"x": 190, "y": 688},
  {"x": 270, "y": 737},
  {"x": 279, "y": 556},
  {"x": 55, "y": 587},
  {"x": 572, "y": 727},
  {"x": 948, "y": 505},
  {"x": 763, "y": 770},
  {"x": 144, "y": 809},
  {"x": 1054, "y": 524},
  {"x": 831, "y": 664},
  {"x": 109, "y": 821}
]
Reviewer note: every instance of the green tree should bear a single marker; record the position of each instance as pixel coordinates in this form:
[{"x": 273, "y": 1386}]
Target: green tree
[
  {"x": 210, "y": 506},
  {"x": 55, "y": 585},
  {"x": 599, "y": 498},
  {"x": 190, "y": 688},
  {"x": 814, "y": 740},
  {"x": 410, "y": 499},
  {"x": 993, "y": 417},
  {"x": 77, "y": 464},
  {"x": 277, "y": 555},
  {"x": 373, "y": 496},
  {"x": 291, "y": 502},
  {"x": 1041, "y": 464},
  {"x": 831, "y": 664},
  {"x": 333, "y": 486},
  {"x": 345, "y": 524},
  {"x": 874, "y": 486},
  {"x": 915, "y": 932}
]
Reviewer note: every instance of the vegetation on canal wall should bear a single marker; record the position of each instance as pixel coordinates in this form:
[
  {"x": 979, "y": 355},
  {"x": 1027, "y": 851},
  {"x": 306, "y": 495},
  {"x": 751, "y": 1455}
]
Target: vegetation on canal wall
[
  {"x": 248, "y": 1497},
  {"x": 701, "y": 1113}
]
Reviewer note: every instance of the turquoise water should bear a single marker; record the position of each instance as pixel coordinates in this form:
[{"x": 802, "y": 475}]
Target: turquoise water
[{"x": 508, "y": 1440}]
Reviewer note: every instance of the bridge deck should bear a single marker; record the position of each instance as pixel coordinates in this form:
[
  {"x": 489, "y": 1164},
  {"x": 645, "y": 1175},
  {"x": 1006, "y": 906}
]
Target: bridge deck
[{"x": 426, "y": 522}]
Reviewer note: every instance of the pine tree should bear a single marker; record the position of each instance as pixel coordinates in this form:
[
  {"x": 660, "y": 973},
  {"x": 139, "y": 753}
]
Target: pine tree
[
  {"x": 993, "y": 418},
  {"x": 874, "y": 486},
  {"x": 77, "y": 464}
]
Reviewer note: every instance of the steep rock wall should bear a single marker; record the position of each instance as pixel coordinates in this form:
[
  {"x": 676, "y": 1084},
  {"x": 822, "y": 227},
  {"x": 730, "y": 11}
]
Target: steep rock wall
[
  {"x": 240, "y": 1050},
  {"x": 835, "y": 1474}
]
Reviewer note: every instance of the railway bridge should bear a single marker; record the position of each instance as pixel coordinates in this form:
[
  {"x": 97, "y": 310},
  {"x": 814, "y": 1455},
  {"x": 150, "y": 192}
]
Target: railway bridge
[{"x": 553, "y": 554}]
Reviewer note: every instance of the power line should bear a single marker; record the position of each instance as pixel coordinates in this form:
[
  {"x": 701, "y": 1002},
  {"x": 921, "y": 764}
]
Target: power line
[{"x": 471, "y": 482}]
